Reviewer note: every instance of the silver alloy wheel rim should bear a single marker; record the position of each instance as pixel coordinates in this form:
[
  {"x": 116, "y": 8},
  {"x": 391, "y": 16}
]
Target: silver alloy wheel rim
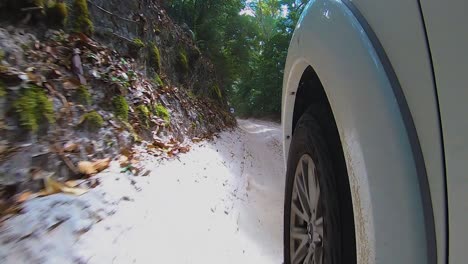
[{"x": 306, "y": 226}]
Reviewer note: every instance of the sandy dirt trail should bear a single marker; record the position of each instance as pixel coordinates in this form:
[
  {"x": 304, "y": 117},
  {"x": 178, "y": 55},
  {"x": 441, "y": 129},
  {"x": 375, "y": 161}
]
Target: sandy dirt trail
[{"x": 220, "y": 203}]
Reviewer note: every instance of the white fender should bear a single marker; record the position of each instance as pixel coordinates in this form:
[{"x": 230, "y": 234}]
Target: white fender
[{"x": 382, "y": 167}]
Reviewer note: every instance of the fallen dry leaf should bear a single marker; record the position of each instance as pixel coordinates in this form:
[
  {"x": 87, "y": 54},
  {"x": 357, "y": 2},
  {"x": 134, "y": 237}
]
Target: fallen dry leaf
[
  {"x": 3, "y": 147},
  {"x": 74, "y": 191},
  {"x": 24, "y": 196},
  {"x": 55, "y": 74},
  {"x": 52, "y": 187},
  {"x": 70, "y": 147},
  {"x": 74, "y": 183},
  {"x": 126, "y": 152},
  {"x": 68, "y": 85},
  {"x": 158, "y": 143},
  {"x": 123, "y": 161},
  {"x": 90, "y": 168},
  {"x": 184, "y": 149},
  {"x": 86, "y": 167},
  {"x": 6, "y": 208},
  {"x": 101, "y": 164},
  {"x": 35, "y": 78}
]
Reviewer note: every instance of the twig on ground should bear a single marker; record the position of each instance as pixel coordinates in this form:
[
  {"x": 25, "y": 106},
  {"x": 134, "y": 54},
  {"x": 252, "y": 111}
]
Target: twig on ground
[
  {"x": 57, "y": 149},
  {"x": 110, "y": 13}
]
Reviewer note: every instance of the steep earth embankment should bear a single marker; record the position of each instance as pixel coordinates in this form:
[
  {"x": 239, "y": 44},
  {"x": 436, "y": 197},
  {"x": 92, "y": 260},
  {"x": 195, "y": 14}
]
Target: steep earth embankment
[{"x": 119, "y": 80}]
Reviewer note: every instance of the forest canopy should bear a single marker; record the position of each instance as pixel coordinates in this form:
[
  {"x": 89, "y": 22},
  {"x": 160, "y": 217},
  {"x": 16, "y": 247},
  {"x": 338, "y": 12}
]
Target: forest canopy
[{"x": 248, "y": 41}]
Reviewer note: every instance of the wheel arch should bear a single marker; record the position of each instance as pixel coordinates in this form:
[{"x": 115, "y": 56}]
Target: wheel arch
[
  {"x": 310, "y": 91},
  {"x": 333, "y": 51}
]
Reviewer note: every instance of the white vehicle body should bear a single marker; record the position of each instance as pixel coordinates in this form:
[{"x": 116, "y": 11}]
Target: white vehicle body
[{"x": 392, "y": 72}]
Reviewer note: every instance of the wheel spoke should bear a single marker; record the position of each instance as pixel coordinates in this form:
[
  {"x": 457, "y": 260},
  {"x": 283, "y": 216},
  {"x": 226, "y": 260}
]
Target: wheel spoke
[
  {"x": 299, "y": 234},
  {"x": 297, "y": 211},
  {"x": 312, "y": 186},
  {"x": 305, "y": 176},
  {"x": 319, "y": 226},
  {"x": 303, "y": 197},
  {"x": 314, "y": 193},
  {"x": 306, "y": 226},
  {"x": 318, "y": 255},
  {"x": 308, "y": 258},
  {"x": 300, "y": 253}
]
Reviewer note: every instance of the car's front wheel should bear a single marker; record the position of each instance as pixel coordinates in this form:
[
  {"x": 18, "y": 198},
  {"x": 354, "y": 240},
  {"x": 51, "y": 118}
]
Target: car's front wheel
[{"x": 312, "y": 221}]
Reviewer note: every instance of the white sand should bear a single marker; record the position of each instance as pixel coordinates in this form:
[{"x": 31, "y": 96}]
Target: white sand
[{"x": 220, "y": 203}]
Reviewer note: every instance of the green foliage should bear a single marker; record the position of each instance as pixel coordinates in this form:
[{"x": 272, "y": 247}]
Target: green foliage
[
  {"x": 158, "y": 80},
  {"x": 120, "y": 107},
  {"x": 120, "y": 80},
  {"x": 132, "y": 75},
  {"x": 182, "y": 61},
  {"x": 138, "y": 43},
  {"x": 33, "y": 107},
  {"x": 57, "y": 13},
  {"x": 2, "y": 54},
  {"x": 39, "y": 3},
  {"x": 144, "y": 114},
  {"x": 162, "y": 112},
  {"x": 248, "y": 51},
  {"x": 155, "y": 57},
  {"x": 93, "y": 120},
  {"x": 83, "y": 94},
  {"x": 80, "y": 18}
]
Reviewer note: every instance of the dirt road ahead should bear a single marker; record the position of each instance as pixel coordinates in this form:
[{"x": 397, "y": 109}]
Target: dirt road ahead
[{"x": 220, "y": 203}]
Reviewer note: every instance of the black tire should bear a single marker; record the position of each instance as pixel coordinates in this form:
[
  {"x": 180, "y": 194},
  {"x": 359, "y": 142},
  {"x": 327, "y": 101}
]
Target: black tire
[{"x": 309, "y": 138}]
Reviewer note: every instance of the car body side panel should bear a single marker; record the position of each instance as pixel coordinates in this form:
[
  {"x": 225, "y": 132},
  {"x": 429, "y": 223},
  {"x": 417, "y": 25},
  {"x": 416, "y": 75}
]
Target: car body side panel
[
  {"x": 400, "y": 29},
  {"x": 446, "y": 24},
  {"x": 388, "y": 208}
]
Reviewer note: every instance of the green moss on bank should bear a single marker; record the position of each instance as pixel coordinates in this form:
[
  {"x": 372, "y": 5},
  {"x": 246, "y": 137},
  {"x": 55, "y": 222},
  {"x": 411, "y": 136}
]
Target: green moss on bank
[
  {"x": 217, "y": 91},
  {"x": 93, "y": 120},
  {"x": 57, "y": 13},
  {"x": 138, "y": 43},
  {"x": 130, "y": 129},
  {"x": 81, "y": 21},
  {"x": 182, "y": 61},
  {"x": 155, "y": 58},
  {"x": 120, "y": 107},
  {"x": 33, "y": 107},
  {"x": 157, "y": 80},
  {"x": 144, "y": 114},
  {"x": 162, "y": 112},
  {"x": 83, "y": 95}
]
